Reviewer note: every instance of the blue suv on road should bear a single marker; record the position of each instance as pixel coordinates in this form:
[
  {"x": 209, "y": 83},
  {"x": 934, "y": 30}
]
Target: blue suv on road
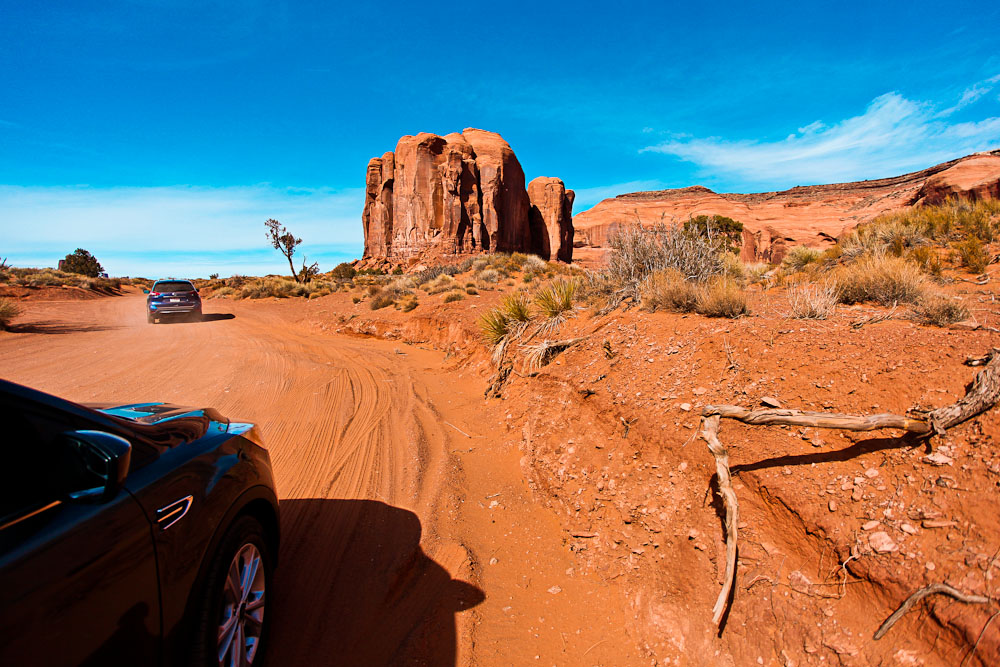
[{"x": 173, "y": 297}]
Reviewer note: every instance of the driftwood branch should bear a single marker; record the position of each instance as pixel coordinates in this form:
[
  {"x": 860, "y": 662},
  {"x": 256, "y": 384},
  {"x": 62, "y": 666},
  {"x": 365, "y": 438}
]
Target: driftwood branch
[
  {"x": 721, "y": 454},
  {"x": 940, "y": 589},
  {"x": 981, "y": 396}
]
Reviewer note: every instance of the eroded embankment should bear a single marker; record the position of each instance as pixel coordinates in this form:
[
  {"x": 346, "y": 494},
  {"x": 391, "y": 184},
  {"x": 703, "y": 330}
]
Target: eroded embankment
[{"x": 836, "y": 528}]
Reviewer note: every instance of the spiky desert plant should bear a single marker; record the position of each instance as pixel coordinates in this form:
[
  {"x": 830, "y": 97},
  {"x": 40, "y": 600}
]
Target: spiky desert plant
[{"x": 555, "y": 303}]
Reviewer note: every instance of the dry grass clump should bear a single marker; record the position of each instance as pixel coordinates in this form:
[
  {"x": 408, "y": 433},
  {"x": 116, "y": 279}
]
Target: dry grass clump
[
  {"x": 722, "y": 298},
  {"x": 488, "y": 276},
  {"x": 453, "y": 296},
  {"x": 883, "y": 279},
  {"x": 939, "y": 310},
  {"x": 409, "y": 303},
  {"x": 471, "y": 290},
  {"x": 442, "y": 283},
  {"x": 667, "y": 290},
  {"x": 927, "y": 259},
  {"x": 8, "y": 311},
  {"x": 55, "y": 278},
  {"x": 812, "y": 302},
  {"x": 221, "y": 292},
  {"x": 973, "y": 254},
  {"x": 382, "y": 299},
  {"x": 799, "y": 257}
]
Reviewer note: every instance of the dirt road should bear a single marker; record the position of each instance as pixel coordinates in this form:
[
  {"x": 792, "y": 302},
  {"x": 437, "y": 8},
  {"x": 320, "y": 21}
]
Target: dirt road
[{"x": 393, "y": 551}]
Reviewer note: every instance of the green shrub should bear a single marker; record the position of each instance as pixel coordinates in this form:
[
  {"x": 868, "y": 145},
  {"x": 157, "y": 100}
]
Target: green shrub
[
  {"x": 82, "y": 262},
  {"x": 516, "y": 307},
  {"x": 722, "y": 232},
  {"x": 8, "y": 311},
  {"x": 343, "y": 271}
]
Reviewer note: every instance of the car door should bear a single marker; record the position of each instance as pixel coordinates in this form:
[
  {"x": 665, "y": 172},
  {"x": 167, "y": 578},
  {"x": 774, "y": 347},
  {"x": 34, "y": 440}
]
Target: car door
[{"x": 78, "y": 578}]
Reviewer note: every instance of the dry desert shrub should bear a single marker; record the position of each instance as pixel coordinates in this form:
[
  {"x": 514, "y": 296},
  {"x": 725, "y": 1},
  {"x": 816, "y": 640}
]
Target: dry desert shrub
[
  {"x": 812, "y": 302},
  {"x": 409, "y": 304},
  {"x": 722, "y": 298},
  {"x": 453, "y": 296},
  {"x": 799, "y": 257},
  {"x": 442, "y": 283},
  {"x": 883, "y": 279},
  {"x": 927, "y": 259},
  {"x": 489, "y": 276},
  {"x": 471, "y": 290},
  {"x": 637, "y": 251},
  {"x": 381, "y": 300},
  {"x": 8, "y": 311},
  {"x": 973, "y": 254},
  {"x": 939, "y": 310},
  {"x": 667, "y": 290},
  {"x": 224, "y": 291}
]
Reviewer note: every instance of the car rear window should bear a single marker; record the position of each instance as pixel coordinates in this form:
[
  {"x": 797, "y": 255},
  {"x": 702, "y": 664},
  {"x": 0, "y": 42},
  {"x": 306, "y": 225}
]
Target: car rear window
[{"x": 173, "y": 286}]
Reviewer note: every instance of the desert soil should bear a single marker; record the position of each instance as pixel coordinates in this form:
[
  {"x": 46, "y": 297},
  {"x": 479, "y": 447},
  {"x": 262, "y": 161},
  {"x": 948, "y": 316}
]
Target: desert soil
[
  {"x": 409, "y": 535},
  {"x": 573, "y": 520}
]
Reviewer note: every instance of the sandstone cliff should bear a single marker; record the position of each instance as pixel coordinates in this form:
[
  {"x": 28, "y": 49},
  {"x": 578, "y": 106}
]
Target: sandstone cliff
[
  {"x": 460, "y": 193},
  {"x": 811, "y": 215}
]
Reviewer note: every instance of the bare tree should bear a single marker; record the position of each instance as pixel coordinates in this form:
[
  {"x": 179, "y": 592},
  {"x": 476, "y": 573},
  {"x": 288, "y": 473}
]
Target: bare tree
[{"x": 283, "y": 240}]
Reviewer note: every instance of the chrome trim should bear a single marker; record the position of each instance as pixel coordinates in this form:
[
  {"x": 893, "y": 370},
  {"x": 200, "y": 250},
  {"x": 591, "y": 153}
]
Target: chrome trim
[
  {"x": 27, "y": 516},
  {"x": 173, "y": 512}
]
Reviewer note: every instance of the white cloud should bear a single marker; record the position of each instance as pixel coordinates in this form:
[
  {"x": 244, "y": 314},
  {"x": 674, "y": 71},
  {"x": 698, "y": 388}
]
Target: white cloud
[
  {"x": 144, "y": 226},
  {"x": 892, "y": 136},
  {"x": 587, "y": 197}
]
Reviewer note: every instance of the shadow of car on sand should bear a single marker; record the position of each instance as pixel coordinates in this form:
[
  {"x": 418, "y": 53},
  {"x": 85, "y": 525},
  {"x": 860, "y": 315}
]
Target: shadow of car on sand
[
  {"x": 354, "y": 587},
  {"x": 186, "y": 319}
]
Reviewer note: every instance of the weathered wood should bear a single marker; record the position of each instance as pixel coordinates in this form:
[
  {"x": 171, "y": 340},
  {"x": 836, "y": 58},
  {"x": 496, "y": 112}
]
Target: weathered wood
[
  {"x": 981, "y": 396},
  {"x": 721, "y": 454},
  {"x": 940, "y": 589},
  {"x": 784, "y": 417}
]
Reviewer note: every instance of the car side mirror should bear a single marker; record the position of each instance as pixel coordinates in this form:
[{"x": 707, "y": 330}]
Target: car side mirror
[
  {"x": 145, "y": 291},
  {"x": 100, "y": 461}
]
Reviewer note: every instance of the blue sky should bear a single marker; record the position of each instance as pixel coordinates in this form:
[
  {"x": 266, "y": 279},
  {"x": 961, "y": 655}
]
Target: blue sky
[{"x": 141, "y": 130}]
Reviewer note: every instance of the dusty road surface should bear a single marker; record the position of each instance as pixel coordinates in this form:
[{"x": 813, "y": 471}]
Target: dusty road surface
[{"x": 409, "y": 536}]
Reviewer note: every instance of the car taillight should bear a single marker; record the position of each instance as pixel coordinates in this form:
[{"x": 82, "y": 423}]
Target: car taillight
[{"x": 154, "y": 294}]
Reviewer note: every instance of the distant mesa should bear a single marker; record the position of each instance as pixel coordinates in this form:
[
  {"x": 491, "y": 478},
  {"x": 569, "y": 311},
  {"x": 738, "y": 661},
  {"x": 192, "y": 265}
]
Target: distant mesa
[
  {"x": 814, "y": 215},
  {"x": 463, "y": 193}
]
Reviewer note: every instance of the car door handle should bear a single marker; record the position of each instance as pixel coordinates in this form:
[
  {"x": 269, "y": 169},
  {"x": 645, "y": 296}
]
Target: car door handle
[{"x": 170, "y": 514}]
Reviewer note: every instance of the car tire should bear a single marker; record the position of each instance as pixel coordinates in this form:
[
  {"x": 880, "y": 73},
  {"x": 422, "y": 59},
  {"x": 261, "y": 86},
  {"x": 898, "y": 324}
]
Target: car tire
[
  {"x": 196, "y": 315},
  {"x": 240, "y": 601},
  {"x": 150, "y": 319}
]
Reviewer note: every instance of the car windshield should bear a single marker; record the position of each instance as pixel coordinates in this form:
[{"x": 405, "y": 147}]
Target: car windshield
[{"x": 173, "y": 286}]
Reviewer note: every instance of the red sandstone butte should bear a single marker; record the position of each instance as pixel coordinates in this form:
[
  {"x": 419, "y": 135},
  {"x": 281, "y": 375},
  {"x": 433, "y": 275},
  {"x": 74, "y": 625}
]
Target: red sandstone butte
[{"x": 460, "y": 193}]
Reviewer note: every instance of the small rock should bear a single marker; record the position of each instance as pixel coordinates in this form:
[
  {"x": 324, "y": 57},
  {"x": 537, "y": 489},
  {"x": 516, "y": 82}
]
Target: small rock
[
  {"x": 938, "y": 459},
  {"x": 930, "y": 566},
  {"x": 882, "y": 543},
  {"x": 698, "y": 391},
  {"x": 770, "y": 402},
  {"x": 833, "y": 505},
  {"x": 871, "y": 525},
  {"x": 555, "y": 589},
  {"x": 686, "y": 407},
  {"x": 871, "y": 473},
  {"x": 493, "y": 561},
  {"x": 907, "y": 528}
]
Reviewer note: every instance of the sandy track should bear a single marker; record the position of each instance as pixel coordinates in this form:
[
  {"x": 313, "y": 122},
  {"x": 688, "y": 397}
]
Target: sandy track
[{"x": 357, "y": 455}]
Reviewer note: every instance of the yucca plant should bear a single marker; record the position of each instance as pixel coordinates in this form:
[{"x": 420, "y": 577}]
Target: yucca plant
[{"x": 555, "y": 303}]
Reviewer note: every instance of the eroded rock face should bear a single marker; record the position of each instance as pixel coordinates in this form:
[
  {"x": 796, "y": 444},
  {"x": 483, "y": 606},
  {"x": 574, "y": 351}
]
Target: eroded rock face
[
  {"x": 551, "y": 218},
  {"x": 460, "y": 193},
  {"x": 814, "y": 215}
]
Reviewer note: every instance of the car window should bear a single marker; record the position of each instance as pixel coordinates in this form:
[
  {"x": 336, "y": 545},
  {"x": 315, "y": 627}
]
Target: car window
[
  {"x": 35, "y": 469},
  {"x": 173, "y": 286}
]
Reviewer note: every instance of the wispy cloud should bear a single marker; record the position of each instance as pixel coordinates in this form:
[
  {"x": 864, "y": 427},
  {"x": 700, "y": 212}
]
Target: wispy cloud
[
  {"x": 893, "y": 135},
  {"x": 162, "y": 227},
  {"x": 587, "y": 197}
]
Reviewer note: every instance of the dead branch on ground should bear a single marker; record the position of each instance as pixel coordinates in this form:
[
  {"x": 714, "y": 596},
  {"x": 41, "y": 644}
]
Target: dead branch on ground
[
  {"x": 981, "y": 396},
  {"x": 940, "y": 589}
]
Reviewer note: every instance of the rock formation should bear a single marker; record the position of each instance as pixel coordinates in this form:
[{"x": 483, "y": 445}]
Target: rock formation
[
  {"x": 460, "y": 193},
  {"x": 551, "y": 218},
  {"x": 814, "y": 215}
]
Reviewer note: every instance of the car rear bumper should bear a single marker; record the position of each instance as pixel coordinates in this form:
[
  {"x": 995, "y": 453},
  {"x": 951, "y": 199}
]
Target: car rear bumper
[{"x": 167, "y": 308}]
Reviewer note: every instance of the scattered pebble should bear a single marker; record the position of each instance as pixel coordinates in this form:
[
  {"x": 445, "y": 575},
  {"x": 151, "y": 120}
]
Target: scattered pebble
[
  {"x": 833, "y": 505},
  {"x": 555, "y": 589},
  {"x": 882, "y": 543},
  {"x": 686, "y": 407},
  {"x": 871, "y": 525},
  {"x": 770, "y": 402}
]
